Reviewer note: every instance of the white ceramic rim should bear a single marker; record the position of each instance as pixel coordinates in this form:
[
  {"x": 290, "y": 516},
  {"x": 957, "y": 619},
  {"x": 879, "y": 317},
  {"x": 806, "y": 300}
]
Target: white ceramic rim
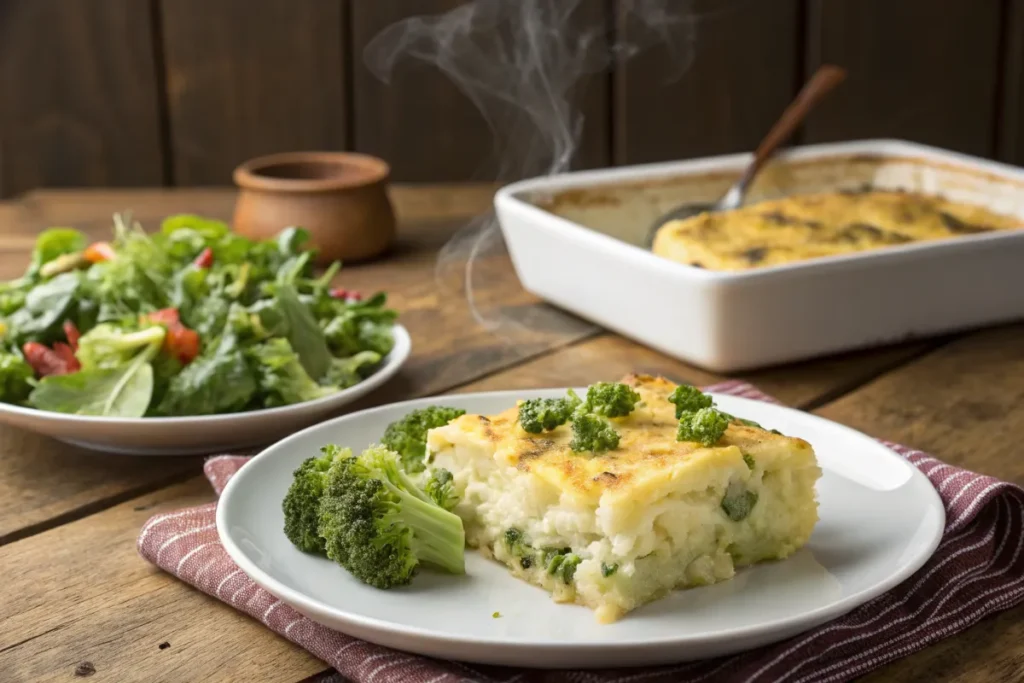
[
  {"x": 389, "y": 365},
  {"x": 810, "y": 618}
]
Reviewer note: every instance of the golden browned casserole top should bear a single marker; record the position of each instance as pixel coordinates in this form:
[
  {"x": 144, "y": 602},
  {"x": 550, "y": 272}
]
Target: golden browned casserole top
[
  {"x": 647, "y": 456},
  {"x": 811, "y": 226}
]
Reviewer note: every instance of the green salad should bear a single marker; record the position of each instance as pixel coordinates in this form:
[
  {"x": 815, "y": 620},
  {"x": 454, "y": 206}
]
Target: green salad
[{"x": 191, "y": 320}]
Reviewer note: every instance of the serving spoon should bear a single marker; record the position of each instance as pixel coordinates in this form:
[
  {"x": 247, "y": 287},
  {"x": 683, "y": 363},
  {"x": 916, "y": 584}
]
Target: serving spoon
[{"x": 821, "y": 83}]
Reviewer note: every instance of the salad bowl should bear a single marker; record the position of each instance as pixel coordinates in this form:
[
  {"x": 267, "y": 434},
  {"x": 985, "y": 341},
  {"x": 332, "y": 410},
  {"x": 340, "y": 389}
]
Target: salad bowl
[
  {"x": 201, "y": 434},
  {"x": 187, "y": 339}
]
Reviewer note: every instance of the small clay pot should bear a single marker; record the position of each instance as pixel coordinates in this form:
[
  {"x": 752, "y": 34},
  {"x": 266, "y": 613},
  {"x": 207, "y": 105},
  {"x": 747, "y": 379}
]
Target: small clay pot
[{"x": 339, "y": 197}]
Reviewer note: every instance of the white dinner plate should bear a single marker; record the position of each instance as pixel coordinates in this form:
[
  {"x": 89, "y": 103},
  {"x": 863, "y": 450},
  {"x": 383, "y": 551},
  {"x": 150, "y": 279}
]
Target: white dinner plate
[
  {"x": 203, "y": 433},
  {"x": 880, "y": 521}
]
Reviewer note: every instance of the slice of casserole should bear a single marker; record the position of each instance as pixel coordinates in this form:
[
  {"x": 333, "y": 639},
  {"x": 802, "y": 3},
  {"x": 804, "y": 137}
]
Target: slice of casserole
[{"x": 615, "y": 530}]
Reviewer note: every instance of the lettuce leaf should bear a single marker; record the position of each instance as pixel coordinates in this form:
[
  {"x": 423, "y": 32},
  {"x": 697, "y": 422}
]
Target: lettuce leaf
[
  {"x": 47, "y": 306},
  {"x": 109, "y": 392},
  {"x": 219, "y": 381},
  {"x": 15, "y": 378},
  {"x": 282, "y": 378},
  {"x": 304, "y": 333},
  {"x": 54, "y": 243}
]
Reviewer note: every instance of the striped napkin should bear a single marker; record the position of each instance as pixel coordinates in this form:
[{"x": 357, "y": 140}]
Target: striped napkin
[{"x": 977, "y": 570}]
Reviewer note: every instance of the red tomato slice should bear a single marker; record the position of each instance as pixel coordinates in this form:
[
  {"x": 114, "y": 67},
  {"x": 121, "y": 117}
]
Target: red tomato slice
[
  {"x": 72, "y": 333},
  {"x": 67, "y": 356},
  {"x": 182, "y": 343},
  {"x": 45, "y": 361},
  {"x": 97, "y": 252},
  {"x": 346, "y": 294},
  {"x": 205, "y": 258}
]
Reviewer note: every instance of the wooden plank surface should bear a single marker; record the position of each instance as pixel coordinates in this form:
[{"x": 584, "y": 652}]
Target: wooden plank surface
[
  {"x": 428, "y": 129},
  {"x": 710, "y": 79},
  {"x": 251, "y": 78},
  {"x": 112, "y": 609},
  {"x": 1011, "y": 121},
  {"x": 962, "y": 403},
  {"x": 923, "y": 70},
  {"x": 78, "y": 95},
  {"x": 44, "y": 483},
  {"x": 608, "y": 357}
]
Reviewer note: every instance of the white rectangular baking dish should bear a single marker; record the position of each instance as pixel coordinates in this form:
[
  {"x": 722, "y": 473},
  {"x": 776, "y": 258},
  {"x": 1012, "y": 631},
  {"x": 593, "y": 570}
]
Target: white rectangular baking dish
[{"x": 575, "y": 241}]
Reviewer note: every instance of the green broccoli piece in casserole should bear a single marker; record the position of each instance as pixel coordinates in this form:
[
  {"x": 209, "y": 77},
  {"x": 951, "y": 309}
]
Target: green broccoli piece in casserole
[
  {"x": 518, "y": 547},
  {"x": 706, "y": 426},
  {"x": 561, "y": 562},
  {"x": 539, "y": 414},
  {"x": 380, "y": 526},
  {"x": 689, "y": 399},
  {"x": 441, "y": 488},
  {"x": 408, "y": 436},
  {"x": 610, "y": 399},
  {"x": 592, "y": 433},
  {"x": 738, "y": 501}
]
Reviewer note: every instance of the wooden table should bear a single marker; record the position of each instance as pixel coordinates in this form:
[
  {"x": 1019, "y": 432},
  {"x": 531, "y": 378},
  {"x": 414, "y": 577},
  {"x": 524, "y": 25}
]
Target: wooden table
[{"x": 76, "y": 596}]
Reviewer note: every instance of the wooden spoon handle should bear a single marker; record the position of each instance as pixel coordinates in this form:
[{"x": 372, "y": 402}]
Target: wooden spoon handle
[{"x": 822, "y": 82}]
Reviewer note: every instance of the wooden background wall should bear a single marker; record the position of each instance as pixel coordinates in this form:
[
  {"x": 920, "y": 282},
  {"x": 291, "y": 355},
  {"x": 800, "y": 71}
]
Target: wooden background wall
[{"x": 177, "y": 92}]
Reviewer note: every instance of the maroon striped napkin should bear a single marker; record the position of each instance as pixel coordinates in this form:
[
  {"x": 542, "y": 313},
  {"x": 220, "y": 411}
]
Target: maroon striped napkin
[{"x": 977, "y": 570}]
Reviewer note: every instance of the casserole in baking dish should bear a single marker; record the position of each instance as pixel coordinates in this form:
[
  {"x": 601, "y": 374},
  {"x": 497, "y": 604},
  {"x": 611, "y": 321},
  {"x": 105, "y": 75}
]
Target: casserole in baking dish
[
  {"x": 576, "y": 240},
  {"x": 818, "y": 225}
]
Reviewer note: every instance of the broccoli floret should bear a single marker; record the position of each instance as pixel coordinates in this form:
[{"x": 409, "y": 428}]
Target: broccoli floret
[
  {"x": 518, "y": 547},
  {"x": 610, "y": 399},
  {"x": 748, "y": 459},
  {"x": 689, "y": 399},
  {"x": 379, "y": 525},
  {"x": 302, "y": 502},
  {"x": 592, "y": 433},
  {"x": 706, "y": 426},
  {"x": 562, "y": 563},
  {"x": 539, "y": 414},
  {"x": 513, "y": 538},
  {"x": 515, "y": 542},
  {"x": 608, "y": 569},
  {"x": 408, "y": 436},
  {"x": 441, "y": 489},
  {"x": 738, "y": 501},
  {"x": 553, "y": 558},
  {"x": 568, "y": 569}
]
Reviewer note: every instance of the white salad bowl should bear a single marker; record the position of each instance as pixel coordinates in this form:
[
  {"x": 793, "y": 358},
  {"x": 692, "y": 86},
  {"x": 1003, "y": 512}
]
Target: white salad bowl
[{"x": 200, "y": 434}]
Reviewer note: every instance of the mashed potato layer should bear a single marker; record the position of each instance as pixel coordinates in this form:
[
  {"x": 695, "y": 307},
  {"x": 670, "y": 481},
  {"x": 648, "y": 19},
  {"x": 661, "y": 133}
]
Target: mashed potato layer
[{"x": 616, "y": 530}]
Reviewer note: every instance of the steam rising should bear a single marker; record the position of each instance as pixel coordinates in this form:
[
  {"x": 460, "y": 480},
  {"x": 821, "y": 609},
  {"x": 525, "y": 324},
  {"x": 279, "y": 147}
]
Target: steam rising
[{"x": 521, "y": 62}]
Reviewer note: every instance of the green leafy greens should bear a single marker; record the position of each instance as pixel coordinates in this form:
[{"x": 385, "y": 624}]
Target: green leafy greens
[
  {"x": 190, "y": 320},
  {"x": 122, "y": 391}
]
